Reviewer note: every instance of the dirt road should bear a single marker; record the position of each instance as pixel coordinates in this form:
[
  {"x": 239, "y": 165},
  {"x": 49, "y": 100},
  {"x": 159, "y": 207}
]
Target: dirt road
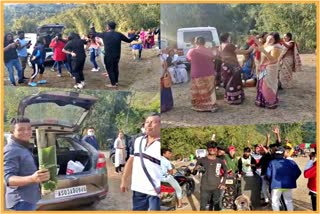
[
  {"x": 296, "y": 104},
  {"x": 134, "y": 75},
  {"x": 301, "y": 199}
]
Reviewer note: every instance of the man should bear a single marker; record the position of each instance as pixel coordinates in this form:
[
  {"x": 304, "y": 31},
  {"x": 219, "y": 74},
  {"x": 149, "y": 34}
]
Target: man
[
  {"x": 250, "y": 181},
  {"x": 11, "y": 59},
  {"x": 112, "y": 47},
  {"x": 145, "y": 181},
  {"x": 167, "y": 174},
  {"x": 211, "y": 182},
  {"x": 20, "y": 171},
  {"x": 310, "y": 172},
  {"x": 91, "y": 139},
  {"x": 282, "y": 174},
  {"x": 22, "y": 51}
]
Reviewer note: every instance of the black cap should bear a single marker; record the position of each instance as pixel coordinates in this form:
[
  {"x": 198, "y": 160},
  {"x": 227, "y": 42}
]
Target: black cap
[
  {"x": 222, "y": 147},
  {"x": 280, "y": 150}
]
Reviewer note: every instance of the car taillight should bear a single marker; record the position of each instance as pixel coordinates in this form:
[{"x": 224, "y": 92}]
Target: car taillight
[{"x": 101, "y": 163}]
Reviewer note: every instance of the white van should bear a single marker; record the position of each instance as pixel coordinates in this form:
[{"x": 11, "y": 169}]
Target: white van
[{"x": 185, "y": 37}]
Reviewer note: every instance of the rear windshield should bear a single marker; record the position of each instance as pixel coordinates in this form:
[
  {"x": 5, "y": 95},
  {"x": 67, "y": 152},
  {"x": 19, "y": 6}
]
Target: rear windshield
[
  {"x": 52, "y": 113},
  {"x": 49, "y": 30},
  {"x": 190, "y": 36}
]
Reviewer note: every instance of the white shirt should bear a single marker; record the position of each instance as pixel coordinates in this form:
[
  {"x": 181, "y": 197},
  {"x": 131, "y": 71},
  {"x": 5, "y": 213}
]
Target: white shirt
[
  {"x": 140, "y": 182},
  {"x": 165, "y": 166}
]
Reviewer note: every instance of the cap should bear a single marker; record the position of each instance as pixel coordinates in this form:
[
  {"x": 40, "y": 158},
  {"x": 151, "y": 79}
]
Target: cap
[
  {"x": 221, "y": 147},
  {"x": 231, "y": 148},
  {"x": 280, "y": 150}
]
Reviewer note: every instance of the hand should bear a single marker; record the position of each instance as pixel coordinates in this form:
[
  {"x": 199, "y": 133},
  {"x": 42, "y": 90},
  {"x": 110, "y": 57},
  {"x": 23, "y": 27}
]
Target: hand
[
  {"x": 124, "y": 187},
  {"x": 73, "y": 54},
  {"x": 33, "y": 58},
  {"x": 276, "y": 130},
  {"x": 92, "y": 25},
  {"x": 13, "y": 45},
  {"x": 40, "y": 176},
  {"x": 268, "y": 135},
  {"x": 222, "y": 186}
]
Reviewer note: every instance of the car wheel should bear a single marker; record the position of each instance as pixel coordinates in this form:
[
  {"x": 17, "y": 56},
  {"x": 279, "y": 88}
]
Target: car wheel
[{"x": 112, "y": 158}]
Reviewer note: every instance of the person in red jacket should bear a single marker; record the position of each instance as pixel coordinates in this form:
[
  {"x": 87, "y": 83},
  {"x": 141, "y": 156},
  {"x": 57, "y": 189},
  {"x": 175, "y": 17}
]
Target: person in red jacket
[
  {"x": 58, "y": 44},
  {"x": 310, "y": 172}
]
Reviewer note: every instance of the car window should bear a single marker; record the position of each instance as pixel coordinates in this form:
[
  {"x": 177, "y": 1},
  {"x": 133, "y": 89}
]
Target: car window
[
  {"x": 189, "y": 36},
  {"x": 63, "y": 144}
]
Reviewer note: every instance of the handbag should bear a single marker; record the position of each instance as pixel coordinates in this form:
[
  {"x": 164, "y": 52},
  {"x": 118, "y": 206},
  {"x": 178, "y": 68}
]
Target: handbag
[
  {"x": 157, "y": 189},
  {"x": 167, "y": 81}
]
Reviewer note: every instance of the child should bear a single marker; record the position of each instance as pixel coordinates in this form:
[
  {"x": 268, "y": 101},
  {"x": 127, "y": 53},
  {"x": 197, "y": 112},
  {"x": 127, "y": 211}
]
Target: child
[
  {"x": 37, "y": 60},
  {"x": 136, "y": 46}
]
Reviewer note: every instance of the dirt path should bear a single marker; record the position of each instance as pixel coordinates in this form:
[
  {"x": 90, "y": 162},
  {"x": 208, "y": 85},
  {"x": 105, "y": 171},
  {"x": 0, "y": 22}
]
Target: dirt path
[
  {"x": 301, "y": 199},
  {"x": 134, "y": 75},
  {"x": 296, "y": 104}
]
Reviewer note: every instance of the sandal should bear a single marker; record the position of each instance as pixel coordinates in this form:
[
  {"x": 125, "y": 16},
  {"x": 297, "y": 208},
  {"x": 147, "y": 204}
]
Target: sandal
[{"x": 182, "y": 206}]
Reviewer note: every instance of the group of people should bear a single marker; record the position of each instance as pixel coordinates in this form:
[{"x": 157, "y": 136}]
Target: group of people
[
  {"x": 70, "y": 52},
  {"x": 22, "y": 177},
  {"x": 270, "y": 64},
  {"x": 264, "y": 170}
]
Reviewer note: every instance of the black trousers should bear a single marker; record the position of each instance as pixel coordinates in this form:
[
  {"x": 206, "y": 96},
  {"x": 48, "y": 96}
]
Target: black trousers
[
  {"x": 77, "y": 69},
  {"x": 212, "y": 197},
  {"x": 313, "y": 200},
  {"x": 112, "y": 66}
]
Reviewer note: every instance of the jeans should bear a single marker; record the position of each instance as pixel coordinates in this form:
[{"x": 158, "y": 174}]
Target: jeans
[
  {"x": 93, "y": 59},
  {"x": 23, "y": 205},
  {"x": 212, "y": 196},
  {"x": 275, "y": 199},
  {"x": 14, "y": 63},
  {"x": 141, "y": 201},
  {"x": 174, "y": 183},
  {"x": 23, "y": 62},
  {"x": 77, "y": 66},
  {"x": 265, "y": 188}
]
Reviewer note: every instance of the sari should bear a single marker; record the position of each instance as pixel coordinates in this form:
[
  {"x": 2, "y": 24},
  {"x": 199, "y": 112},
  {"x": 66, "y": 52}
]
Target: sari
[
  {"x": 203, "y": 96},
  {"x": 288, "y": 65},
  {"x": 203, "y": 74},
  {"x": 231, "y": 76},
  {"x": 267, "y": 86},
  {"x": 166, "y": 97}
]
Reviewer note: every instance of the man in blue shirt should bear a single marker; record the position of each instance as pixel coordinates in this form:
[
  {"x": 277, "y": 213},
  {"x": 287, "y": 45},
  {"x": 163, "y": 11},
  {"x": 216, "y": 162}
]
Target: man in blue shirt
[
  {"x": 91, "y": 139},
  {"x": 22, "y": 51},
  {"x": 20, "y": 171}
]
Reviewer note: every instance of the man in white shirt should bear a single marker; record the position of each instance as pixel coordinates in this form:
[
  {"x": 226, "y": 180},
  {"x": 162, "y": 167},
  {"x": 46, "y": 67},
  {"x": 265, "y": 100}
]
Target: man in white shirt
[
  {"x": 146, "y": 189},
  {"x": 167, "y": 172}
]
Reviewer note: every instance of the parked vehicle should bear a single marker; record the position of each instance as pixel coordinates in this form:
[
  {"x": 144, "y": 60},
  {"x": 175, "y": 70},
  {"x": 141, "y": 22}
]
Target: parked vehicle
[
  {"x": 48, "y": 31},
  {"x": 62, "y": 113},
  {"x": 186, "y": 36}
]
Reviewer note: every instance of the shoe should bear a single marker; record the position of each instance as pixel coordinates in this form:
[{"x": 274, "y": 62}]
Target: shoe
[
  {"x": 13, "y": 84},
  {"x": 78, "y": 86},
  {"x": 98, "y": 69},
  {"x": 20, "y": 82},
  {"x": 52, "y": 69},
  {"x": 42, "y": 81},
  {"x": 32, "y": 84},
  {"x": 83, "y": 83},
  {"x": 117, "y": 84},
  {"x": 59, "y": 75},
  {"x": 73, "y": 78},
  {"x": 70, "y": 74}
]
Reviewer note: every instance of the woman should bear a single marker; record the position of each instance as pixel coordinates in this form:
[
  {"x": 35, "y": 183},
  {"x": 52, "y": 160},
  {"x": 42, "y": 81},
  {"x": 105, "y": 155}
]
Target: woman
[
  {"x": 143, "y": 36},
  {"x": 166, "y": 93},
  {"x": 289, "y": 61},
  {"x": 230, "y": 70},
  {"x": 58, "y": 55},
  {"x": 120, "y": 154},
  {"x": 267, "y": 89},
  {"x": 203, "y": 94},
  {"x": 94, "y": 51},
  {"x": 178, "y": 72}
]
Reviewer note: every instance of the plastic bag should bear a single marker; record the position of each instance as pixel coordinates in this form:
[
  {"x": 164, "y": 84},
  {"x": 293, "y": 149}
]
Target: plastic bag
[{"x": 74, "y": 167}]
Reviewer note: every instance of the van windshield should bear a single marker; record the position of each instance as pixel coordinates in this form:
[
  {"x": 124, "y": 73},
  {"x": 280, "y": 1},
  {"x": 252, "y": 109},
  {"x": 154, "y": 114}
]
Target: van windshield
[{"x": 190, "y": 36}]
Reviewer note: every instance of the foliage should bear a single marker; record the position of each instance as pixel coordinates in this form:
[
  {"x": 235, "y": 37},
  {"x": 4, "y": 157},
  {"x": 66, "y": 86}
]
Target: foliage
[
  {"x": 78, "y": 18},
  {"x": 112, "y": 111},
  {"x": 242, "y": 20},
  {"x": 184, "y": 141}
]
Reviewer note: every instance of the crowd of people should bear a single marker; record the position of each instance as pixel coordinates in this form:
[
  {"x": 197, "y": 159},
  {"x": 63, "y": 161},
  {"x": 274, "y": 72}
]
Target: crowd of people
[
  {"x": 71, "y": 52},
  {"x": 269, "y": 64},
  {"x": 265, "y": 172}
]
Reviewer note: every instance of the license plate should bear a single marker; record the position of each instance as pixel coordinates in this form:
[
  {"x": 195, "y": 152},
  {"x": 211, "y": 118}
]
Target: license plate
[
  {"x": 229, "y": 181},
  {"x": 59, "y": 193}
]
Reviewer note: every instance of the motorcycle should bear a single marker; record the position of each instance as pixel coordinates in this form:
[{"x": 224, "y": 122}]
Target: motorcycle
[{"x": 168, "y": 195}]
